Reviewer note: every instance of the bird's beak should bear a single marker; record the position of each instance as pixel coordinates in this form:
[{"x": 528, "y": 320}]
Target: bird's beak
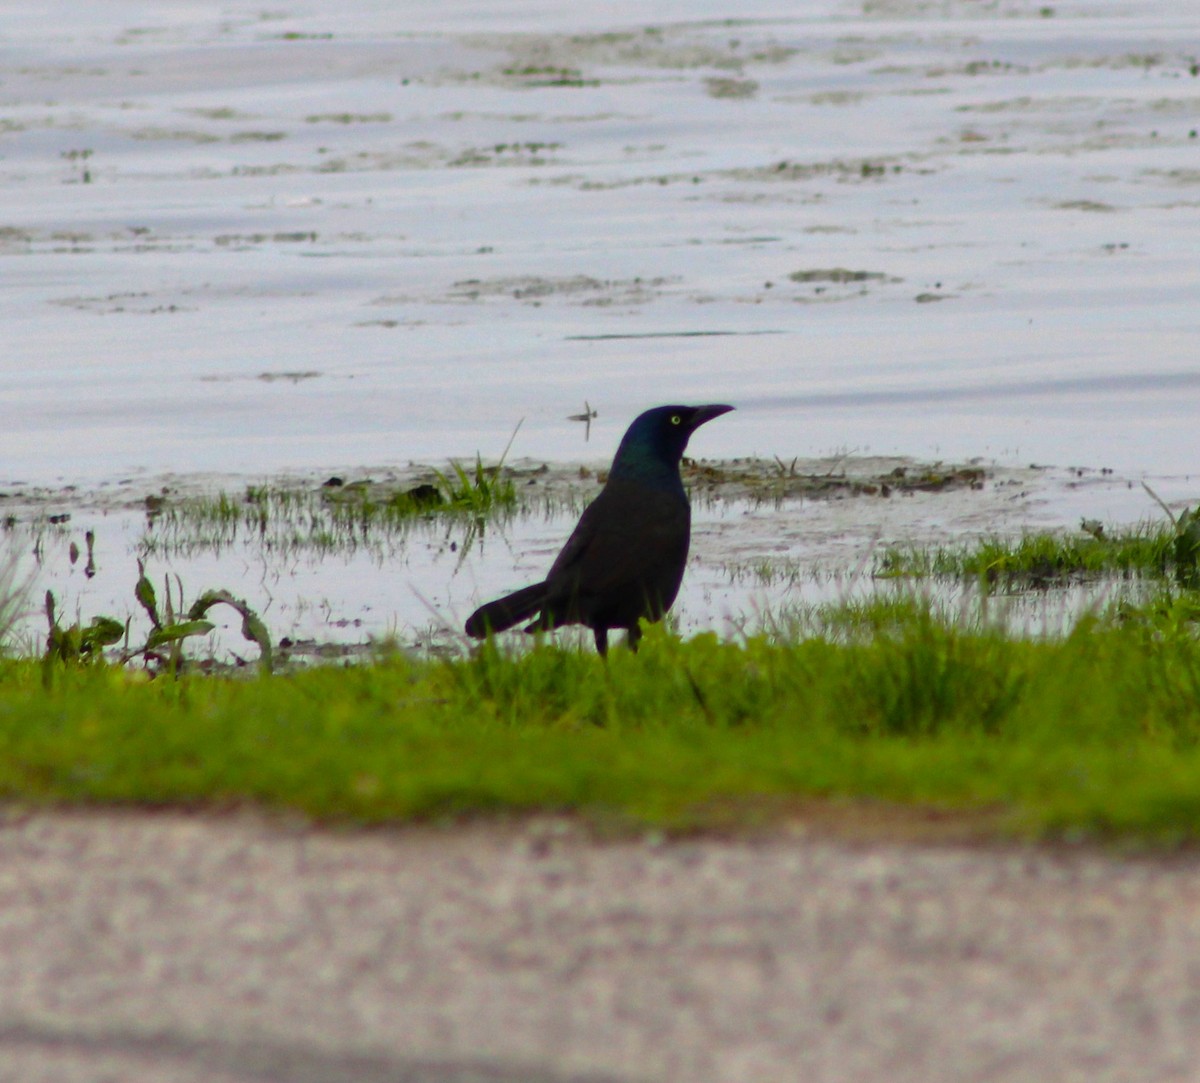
[{"x": 707, "y": 413}]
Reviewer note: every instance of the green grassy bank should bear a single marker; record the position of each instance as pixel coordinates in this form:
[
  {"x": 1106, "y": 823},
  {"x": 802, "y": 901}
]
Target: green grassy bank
[{"x": 1093, "y": 734}]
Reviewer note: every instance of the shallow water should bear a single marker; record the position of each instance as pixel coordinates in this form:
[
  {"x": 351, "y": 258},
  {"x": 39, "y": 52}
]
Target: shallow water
[
  {"x": 246, "y": 240},
  {"x": 755, "y": 566}
]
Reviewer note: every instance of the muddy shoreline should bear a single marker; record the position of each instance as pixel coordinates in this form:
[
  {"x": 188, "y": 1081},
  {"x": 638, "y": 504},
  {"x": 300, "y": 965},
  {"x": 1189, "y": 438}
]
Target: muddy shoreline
[
  {"x": 756, "y": 480},
  {"x": 767, "y": 534}
]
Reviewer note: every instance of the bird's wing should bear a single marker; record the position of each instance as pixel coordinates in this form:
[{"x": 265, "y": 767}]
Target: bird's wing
[
  {"x": 581, "y": 538},
  {"x": 621, "y": 536}
]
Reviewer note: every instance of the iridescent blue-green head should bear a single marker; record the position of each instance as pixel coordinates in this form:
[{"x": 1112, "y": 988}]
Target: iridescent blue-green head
[{"x": 655, "y": 442}]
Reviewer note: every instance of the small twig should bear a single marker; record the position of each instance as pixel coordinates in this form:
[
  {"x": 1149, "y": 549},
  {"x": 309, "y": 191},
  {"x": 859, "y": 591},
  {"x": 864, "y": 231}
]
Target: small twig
[
  {"x": 1162, "y": 504},
  {"x": 586, "y": 418},
  {"x": 504, "y": 453},
  {"x": 454, "y": 630}
]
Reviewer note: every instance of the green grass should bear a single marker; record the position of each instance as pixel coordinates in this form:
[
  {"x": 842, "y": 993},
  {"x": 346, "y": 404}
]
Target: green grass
[
  {"x": 1169, "y": 549},
  {"x": 342, "y": 518},
  {"x": 13, "y": 592},
  {"x": 1095, "y": 734},
  {"x": 889, "y": 701}
]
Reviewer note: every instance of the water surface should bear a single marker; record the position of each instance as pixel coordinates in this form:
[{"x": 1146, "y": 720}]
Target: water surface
[
  {"x": 243, "y": 239},
  {"x": 246, "y": 240}
]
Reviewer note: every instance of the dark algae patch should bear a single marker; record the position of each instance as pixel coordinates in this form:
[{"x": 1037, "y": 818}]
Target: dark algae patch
[{"x": 778, "y": 479}]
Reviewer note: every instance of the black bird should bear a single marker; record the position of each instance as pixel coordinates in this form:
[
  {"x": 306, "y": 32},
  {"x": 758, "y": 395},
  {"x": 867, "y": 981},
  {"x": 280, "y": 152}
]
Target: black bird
[{"x": 625, "y": 558}]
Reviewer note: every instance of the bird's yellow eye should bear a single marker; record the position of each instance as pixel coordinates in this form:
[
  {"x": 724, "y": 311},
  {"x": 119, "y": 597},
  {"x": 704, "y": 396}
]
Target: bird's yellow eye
[{"x": 676, "y": 419}]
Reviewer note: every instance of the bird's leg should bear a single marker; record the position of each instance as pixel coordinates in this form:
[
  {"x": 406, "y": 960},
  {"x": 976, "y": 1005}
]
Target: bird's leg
[
  {"x": 632, "y": 636},
  {"x": 601, "y": 641}
]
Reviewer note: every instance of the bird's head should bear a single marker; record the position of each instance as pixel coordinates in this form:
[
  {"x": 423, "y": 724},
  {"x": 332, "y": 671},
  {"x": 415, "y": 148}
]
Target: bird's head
[{"x": 659, "y": 437}]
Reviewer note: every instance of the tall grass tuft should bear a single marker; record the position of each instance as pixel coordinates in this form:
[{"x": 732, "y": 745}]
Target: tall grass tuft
[
  {"x": 14, "y": 596},
  {"x": 1041, "y": 560},
  {"x": 480, "y": 491}
]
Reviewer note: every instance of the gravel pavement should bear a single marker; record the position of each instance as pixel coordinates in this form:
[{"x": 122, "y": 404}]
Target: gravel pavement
[{"x": 138, "y": 947}]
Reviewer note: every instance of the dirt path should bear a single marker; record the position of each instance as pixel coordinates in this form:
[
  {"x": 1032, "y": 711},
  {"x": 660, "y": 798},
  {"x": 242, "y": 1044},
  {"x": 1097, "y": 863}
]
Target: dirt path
[{"x": 169, "y": 947}]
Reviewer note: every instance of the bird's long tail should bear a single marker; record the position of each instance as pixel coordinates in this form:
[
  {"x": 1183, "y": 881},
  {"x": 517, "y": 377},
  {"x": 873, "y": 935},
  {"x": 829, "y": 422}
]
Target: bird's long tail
[{"x": 505, "y": 612}]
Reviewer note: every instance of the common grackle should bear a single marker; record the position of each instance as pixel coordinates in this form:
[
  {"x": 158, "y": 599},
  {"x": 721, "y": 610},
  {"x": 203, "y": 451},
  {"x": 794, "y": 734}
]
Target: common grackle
[{"x": 626, "y": 556}]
